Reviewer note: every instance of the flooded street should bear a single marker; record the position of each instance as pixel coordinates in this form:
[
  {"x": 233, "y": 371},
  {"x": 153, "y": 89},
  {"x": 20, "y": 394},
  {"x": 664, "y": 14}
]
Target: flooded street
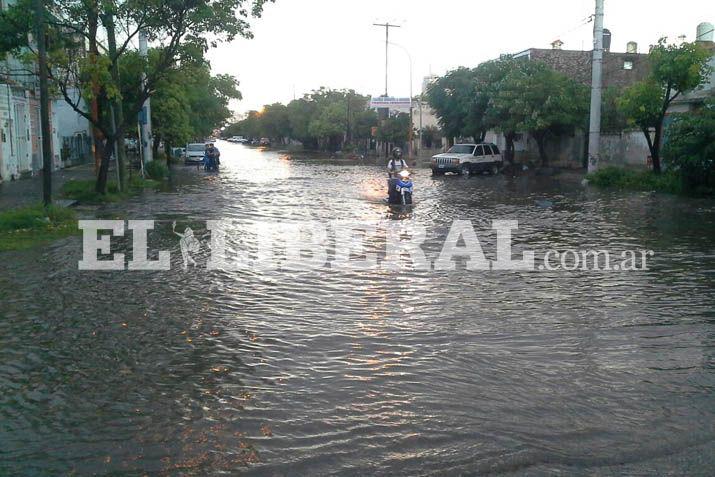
[{"x": 367, "y": 372}]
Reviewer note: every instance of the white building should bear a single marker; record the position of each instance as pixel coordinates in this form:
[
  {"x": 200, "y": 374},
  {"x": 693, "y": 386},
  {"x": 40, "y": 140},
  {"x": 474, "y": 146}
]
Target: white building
[{"x": 20, "y": 132}]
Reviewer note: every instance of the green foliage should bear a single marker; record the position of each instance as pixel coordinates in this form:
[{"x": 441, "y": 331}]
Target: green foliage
[
  {"x": 618, "y": 178},
  {"x": 84, "y": 191},
  {"x": 612, "y": 118},
  {"x": 180, "y": 32},
  {"x": 29, "y": 226},
  {"x": 532, "y": 97},
  {"x": 363, "y": 122},
  {"x": 156, "y": 170},
  {"x": 679, "y": 67},
  {"x": 453, "y": 99},
  {"x": 430, "y": 136},
  {"x": 690, "y": 148},
  {"x": 463, "y": 99},
  {"x": 15, "y": 26},
  {"x": 329, "y": 121},
  {"x": 275, "y": 123},
  {"x": 675, "y": 69},
  {"x": 395, "y": 129},
  {"x": 34, "y": 217},
  {"x": 188, "y": 102},
  {"x": 642, "y": 104},
  {"x": 321, "y": 119}
]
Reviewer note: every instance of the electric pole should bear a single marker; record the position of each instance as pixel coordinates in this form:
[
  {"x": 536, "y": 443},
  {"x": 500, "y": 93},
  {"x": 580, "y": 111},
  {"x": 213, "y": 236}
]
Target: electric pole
[
  {"x": 387, "y": 26},
  {"x": 594, "y": 130},
  {"x": 146, "y": 138},
  {"x": 44, "y": 103}
]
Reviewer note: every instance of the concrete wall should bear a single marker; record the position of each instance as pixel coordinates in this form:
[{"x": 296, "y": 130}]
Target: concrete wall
[
  {"x": 625, "y": 149},
  {"x": 628, "y": 149}
]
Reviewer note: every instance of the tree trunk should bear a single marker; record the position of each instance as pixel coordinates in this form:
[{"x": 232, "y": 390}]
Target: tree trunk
[
  {"x": 655, "y": 150},
  {"x": 541, "y": 143},
  {"x": 106, "y": 152},
  {"x": 108, "y": 21},
  {"x": 167, "y": 153},
  {"x": 651, "y": 146},
  {"x": 155, "y": 145},
  {"x": 509, "y": 138}
]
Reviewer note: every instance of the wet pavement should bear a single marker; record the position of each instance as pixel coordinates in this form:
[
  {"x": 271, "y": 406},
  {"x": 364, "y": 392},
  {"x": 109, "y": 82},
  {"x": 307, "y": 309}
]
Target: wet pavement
[
  {"x": 397, "y": 372},
  {"x": 24, "y": 192}
]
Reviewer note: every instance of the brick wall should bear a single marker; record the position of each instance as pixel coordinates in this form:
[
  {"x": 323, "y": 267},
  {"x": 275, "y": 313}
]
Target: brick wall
[{"x": 577, "y": 65}]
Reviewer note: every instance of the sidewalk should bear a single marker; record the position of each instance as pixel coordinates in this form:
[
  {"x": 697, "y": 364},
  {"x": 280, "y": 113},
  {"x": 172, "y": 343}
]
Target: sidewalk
[{"x": 25, "y": 192}]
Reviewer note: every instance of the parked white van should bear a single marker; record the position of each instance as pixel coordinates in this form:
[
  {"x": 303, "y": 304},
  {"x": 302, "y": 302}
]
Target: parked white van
[
  {"x": 468, "y": 159},
  {"x": 195, "y": 152}
]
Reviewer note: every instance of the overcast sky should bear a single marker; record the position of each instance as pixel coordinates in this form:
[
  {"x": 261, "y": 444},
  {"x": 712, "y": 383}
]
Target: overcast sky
[{"x": 300, "y": 45}]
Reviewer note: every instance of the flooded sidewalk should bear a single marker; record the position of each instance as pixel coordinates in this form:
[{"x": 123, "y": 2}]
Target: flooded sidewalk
[{"x": 24, "y": 192}]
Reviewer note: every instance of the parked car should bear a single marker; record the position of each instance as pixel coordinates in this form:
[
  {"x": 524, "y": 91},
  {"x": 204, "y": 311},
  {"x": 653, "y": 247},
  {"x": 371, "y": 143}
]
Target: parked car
[
  {"x": 468, "y": 159},
  {"x": 195, "y": 152},
  {"x": 264, "y": 142}
]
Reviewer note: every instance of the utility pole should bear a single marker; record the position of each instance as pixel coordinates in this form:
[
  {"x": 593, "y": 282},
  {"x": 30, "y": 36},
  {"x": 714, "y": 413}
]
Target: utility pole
[
  {"x": 146, "y": 138},
  {"x": 387, "y": 26},
  {"x": 44, "y": 104},
  {"x": 594, "y": 130}
]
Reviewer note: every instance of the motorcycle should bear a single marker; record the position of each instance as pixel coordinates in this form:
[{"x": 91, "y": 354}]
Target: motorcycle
[{"x": 399, "y": 189}]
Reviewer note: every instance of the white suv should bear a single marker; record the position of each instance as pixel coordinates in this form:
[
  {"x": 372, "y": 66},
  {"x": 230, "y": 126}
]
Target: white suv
[{"x": 468, "y": 159}]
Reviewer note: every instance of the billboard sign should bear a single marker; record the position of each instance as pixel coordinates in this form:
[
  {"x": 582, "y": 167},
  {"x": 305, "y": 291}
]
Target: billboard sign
[{"x": 389, "y": 102}]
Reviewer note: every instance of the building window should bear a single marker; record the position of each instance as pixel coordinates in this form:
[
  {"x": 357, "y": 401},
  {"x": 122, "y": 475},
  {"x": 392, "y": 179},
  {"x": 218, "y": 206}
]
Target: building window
[{"x": 627, "y": 65}]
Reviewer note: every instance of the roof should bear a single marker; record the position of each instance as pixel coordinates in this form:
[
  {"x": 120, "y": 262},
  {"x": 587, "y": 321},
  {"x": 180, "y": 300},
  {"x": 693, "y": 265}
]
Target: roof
[{"x": 576, "y": 64}]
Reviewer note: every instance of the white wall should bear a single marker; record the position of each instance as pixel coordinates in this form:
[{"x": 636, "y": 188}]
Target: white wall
[
  {"x": 69, "y": 122},
  {"x": 625, "y": 149}
]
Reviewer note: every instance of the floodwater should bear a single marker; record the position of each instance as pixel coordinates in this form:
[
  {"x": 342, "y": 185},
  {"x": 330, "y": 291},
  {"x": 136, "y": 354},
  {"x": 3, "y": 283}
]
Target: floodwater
[{"x": 365, "y": 372}]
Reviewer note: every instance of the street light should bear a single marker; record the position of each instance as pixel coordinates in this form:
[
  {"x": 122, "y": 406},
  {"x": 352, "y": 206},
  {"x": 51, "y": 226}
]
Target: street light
[{"x": 409, "y": 57}]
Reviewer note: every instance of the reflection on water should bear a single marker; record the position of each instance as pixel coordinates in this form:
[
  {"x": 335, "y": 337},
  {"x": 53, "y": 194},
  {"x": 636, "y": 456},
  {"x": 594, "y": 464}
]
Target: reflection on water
[{"x": 360, "y": 372}]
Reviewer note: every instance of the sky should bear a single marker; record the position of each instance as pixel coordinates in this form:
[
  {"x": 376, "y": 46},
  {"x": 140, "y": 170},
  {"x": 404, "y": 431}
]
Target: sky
[{"x": 301, "y": 45}]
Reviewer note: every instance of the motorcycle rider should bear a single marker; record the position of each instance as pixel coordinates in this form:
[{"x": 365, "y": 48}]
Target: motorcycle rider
[{"x": 396, "y": 164}]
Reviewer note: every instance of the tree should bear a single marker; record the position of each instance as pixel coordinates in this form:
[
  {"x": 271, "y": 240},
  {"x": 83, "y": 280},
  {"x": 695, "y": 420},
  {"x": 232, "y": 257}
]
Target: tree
[
  {"x": 177, "y": 30},
  {"x": 15, "y": 26},
  {"x": 395, "y": 129},
  {"x": 187, "y": 103},
  {"x": 275, "y": 123},
  {"x": 612, "y": 118},
  {"x": 534, "y": 98},
  {"x": 300, "y": 112},
  {"x": 430, "y": 136},
  {"x": 329, "y": 124},
  {"x": 498, "y": 115},
  {"x": 690, "y": 147},
  {"x": 453, "y": 99},
  {"x": 675, "y": 69}
]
